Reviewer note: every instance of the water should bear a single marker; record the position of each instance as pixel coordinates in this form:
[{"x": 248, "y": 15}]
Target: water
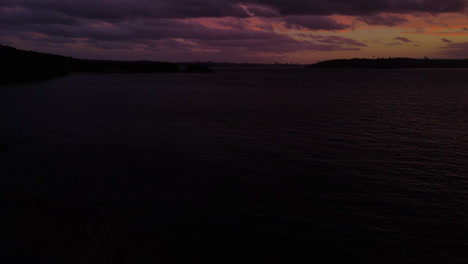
[{"x": 258, "y": 165}]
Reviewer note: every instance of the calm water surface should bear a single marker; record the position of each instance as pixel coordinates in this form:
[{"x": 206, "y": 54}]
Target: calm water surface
[{"x": 341, "y": 165}]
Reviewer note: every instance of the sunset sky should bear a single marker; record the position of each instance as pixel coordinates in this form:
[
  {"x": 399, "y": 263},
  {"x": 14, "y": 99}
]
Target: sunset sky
[{"x": 300, "y": 31}]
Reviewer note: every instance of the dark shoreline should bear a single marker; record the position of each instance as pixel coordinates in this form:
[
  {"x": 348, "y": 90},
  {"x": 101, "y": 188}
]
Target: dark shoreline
[
  {"x": 391, "y": 63},
  {"x": 19, "y": 66}
]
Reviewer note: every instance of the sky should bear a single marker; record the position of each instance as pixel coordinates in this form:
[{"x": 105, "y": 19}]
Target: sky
[{"x": 266, "y": 31}]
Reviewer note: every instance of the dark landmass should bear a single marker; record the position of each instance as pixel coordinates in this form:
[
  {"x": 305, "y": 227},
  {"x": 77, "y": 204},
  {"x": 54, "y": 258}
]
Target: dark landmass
[
  {"x": 28, "y": 66},
  {"x": 18, "y": 66},
  {"x": 391, "y": 63}
]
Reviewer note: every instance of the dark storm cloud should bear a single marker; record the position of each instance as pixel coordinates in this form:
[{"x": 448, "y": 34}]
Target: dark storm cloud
[
  {"x": 362, "y": 7},
  {"x": 313, "y": 22},
  {"x": 122, "y": 9},
  {"x": 189, "y": 25},
  {"x": 384, "y": 20},
  {"x": 197, "y": 35},
  {"x": 12, "y": 16},
  {"x": 145, "y": 29}
]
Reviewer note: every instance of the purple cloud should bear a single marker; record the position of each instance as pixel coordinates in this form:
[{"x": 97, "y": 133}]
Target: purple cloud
[
  {"x": 406, "y": 40},
  {"x": 18, "y": 15},
  {"x": 122, "y": 9},
  {"x": 261, "y": 11},
  {"x": 363, "y": 7},
  {"x": 188, "y": 36},
  {"x": 456, "y": 50},
  {"x": 125, "y": 9},
  {"x": 313, "y": 22},
  {"x": 384, "y": 20},
  {"x": 199, "y": 27},
  {"x": 336, "y": 40},
  {"x": 446, "y": 40}
]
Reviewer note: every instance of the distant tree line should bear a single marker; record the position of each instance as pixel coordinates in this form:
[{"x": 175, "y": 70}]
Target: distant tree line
[
  {"x": 18, "y": 65},
  {"x": 26, "y": 66},
  {"x": 389, "y": 63}
]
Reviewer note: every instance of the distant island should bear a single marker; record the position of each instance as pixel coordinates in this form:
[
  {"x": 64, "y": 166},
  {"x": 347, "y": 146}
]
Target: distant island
[
  {"x": 28, "y": 66},
  {"x": 391, "y": 63}
]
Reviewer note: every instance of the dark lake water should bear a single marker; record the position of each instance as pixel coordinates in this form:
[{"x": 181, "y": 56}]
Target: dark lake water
[{"x": 240, "y": 166}]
